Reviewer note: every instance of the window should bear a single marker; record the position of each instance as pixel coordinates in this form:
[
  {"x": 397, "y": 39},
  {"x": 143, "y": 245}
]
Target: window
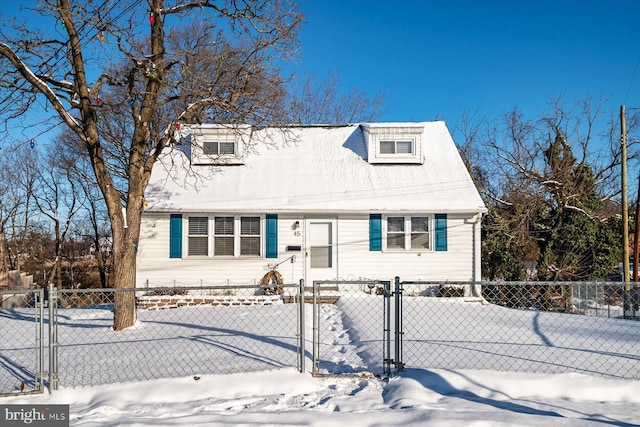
[
  {"x": 229, "y": 236},
  {"x": 396, "y": 147},
  {"x": 321, "y": 246},
  {"x": 395, "y": 232},
  {"x": 250, "y": 235},
  {"x": 420, "y": 232},
  {"x": 409, "y": 233},
  {"x": 219, "y": 148},
  {"x": 198, "y": 235},
  {"x": 219, "y": 144},
  {"x": 223, "y": 236},
  {"x": 394, "y": 143}
]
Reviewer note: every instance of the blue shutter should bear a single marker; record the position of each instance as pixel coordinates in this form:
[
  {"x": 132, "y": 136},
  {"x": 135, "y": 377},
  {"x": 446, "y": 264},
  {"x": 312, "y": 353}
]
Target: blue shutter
[
  {"x": 375, "y": 232},
  {"x": 175, "y": 236},
  {"x": 271, "y": 236},
  {"x": 441, "y": 232}
]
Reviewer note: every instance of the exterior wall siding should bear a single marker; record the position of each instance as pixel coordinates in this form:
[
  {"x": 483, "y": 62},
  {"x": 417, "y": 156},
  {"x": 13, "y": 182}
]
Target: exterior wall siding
[
  {"x": 355, "y": 260},
  {"x": 155, "y": 268}
]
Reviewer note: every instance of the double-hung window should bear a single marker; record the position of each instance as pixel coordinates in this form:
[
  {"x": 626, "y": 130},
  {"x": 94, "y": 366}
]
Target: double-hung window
[
  {"x": 250, "y": 235},
  {"x": 198, "y": 235},
  {"x": 224, "y": 236},
  {"x": 408, "y": 233}
]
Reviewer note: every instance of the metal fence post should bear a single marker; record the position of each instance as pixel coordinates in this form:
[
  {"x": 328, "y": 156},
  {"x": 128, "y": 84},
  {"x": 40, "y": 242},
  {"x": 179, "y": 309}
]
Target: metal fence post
[
  {"x": 386, "y": 316},
  {"x": 398, "y": 326},
  {"x": 53, "y": 344},
  {"x": 301, "y": 326},
  {"x": 316, "y": 330},
  {"x": 39, "y": 295}
]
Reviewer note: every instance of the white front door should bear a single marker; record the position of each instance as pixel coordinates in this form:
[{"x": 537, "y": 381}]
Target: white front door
[{"x": 322, "y": 250}]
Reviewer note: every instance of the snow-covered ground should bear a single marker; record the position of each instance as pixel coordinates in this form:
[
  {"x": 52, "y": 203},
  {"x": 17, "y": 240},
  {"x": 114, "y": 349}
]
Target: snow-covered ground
[
  {"x": 472, "y": 391},
  {"x": 418, "y": 397}
]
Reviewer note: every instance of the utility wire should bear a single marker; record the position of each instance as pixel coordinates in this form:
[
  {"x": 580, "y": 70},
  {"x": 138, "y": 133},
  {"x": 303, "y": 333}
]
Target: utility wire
[{"x": 633, "y": 77}]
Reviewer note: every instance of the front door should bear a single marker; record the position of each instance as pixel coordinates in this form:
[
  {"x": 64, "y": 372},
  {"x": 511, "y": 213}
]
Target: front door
[{"x": 322, "y": 250}]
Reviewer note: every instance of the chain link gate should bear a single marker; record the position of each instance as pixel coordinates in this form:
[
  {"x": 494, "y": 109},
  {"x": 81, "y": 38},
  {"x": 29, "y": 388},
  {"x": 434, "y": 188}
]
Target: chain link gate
[
  {"x": 21, "y": 341},
  {"x": 351, "y": 327}
]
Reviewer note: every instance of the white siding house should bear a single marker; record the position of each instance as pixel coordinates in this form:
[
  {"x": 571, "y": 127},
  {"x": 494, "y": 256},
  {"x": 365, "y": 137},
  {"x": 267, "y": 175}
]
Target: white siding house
[{"x": 362, "y": 201}]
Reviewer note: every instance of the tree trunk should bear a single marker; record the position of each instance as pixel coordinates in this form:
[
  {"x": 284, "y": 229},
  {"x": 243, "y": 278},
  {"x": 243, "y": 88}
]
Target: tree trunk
[
  {"x": 101, "y": 268},
  {"x": 124, "y": 264}
]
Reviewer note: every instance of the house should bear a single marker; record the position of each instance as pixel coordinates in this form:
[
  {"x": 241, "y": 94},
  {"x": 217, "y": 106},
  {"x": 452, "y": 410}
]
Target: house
[{"x": 358, "y": 201}]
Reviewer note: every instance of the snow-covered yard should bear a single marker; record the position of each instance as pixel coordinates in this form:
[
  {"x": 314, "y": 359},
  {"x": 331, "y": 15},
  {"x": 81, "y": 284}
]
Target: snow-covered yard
[{"x": 460, "y": 361}]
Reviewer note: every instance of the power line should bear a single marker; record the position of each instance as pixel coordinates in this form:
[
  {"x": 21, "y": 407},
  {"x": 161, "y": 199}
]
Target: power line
[{"x": 632, "y": 80}]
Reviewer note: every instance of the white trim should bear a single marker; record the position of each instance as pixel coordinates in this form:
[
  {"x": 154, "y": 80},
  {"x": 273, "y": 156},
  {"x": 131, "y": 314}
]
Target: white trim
[
  {"x": 237, "y": 223},
  {"x": 200, "y": 135},
  {"x": 312, "y": 274},
  {"x": 407, "y": 232},
  {"x": 374, "y": 135}
]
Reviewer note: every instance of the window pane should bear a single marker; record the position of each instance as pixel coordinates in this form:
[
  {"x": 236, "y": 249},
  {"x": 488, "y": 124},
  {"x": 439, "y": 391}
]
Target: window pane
[
  {"x": 419, "y": 224},
  {"x": 250, "y": 246},
  {"x": 395, "y": 241},
  {"x": 419, "y": 232},
  {"x": 250, "y": 225},
  {"x": 387, "y": 147},
  {"x": 227, "y": 148},
  {"x": 198, "y": 245},
  {"x": 404, "y": 147},
  {"x": 395, "y": 224},
  {"x": 223, "y": 246},
  {"x": 420, "y": 241},
  {"x": 223, "y": 225},
  {"x": 198, "y": 225},
  {"x": 210, "y": 147},
  {"x": 321, "y": 257}
]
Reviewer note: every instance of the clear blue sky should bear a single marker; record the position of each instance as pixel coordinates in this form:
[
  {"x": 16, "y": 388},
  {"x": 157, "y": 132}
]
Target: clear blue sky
[{"x": 438, "y": 58}]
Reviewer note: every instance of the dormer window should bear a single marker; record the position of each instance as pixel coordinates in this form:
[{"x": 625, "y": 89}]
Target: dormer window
[
  {"x": 394, "y": 143},
  {"x": 219, "y": 148},
  {"x": 396, "y": 147},
  {"x": 217, "y": 145}
]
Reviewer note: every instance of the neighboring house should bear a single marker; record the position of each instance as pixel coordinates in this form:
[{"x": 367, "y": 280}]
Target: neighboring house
[{"x": 362, "y": 201}]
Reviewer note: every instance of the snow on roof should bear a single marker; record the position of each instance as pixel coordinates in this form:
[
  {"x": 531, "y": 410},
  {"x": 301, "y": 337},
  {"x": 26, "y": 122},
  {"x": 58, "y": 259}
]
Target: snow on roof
[{"x": 317, "y": 169}]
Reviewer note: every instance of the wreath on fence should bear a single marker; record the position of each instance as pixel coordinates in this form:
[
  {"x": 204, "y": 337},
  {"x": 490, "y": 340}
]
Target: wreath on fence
[{"x": 271, "y": 283}]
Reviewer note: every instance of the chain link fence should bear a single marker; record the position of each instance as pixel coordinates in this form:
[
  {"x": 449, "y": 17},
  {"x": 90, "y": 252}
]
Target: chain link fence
[
  {"x": 524, "y": 326},
  {"x": 350, "y": 327},
  {"x": 21, "y": 341},
  {"x": 179, "y": 332}
]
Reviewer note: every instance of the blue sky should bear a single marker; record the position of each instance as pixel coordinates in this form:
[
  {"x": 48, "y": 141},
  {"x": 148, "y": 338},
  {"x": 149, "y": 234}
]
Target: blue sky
[{"x": 439, "y": 58}]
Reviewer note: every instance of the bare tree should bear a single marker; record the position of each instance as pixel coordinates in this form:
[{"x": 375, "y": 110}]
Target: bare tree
[
  {"x": 57, "y": 199},
  {"x": 156, "y": 66},
  {"x": 18, "y": 172},
  {"x": 314, "y": 100}
]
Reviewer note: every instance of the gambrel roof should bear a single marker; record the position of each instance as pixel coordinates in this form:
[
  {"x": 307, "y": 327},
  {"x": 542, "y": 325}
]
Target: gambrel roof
[{"x": 319, "y": 169}]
